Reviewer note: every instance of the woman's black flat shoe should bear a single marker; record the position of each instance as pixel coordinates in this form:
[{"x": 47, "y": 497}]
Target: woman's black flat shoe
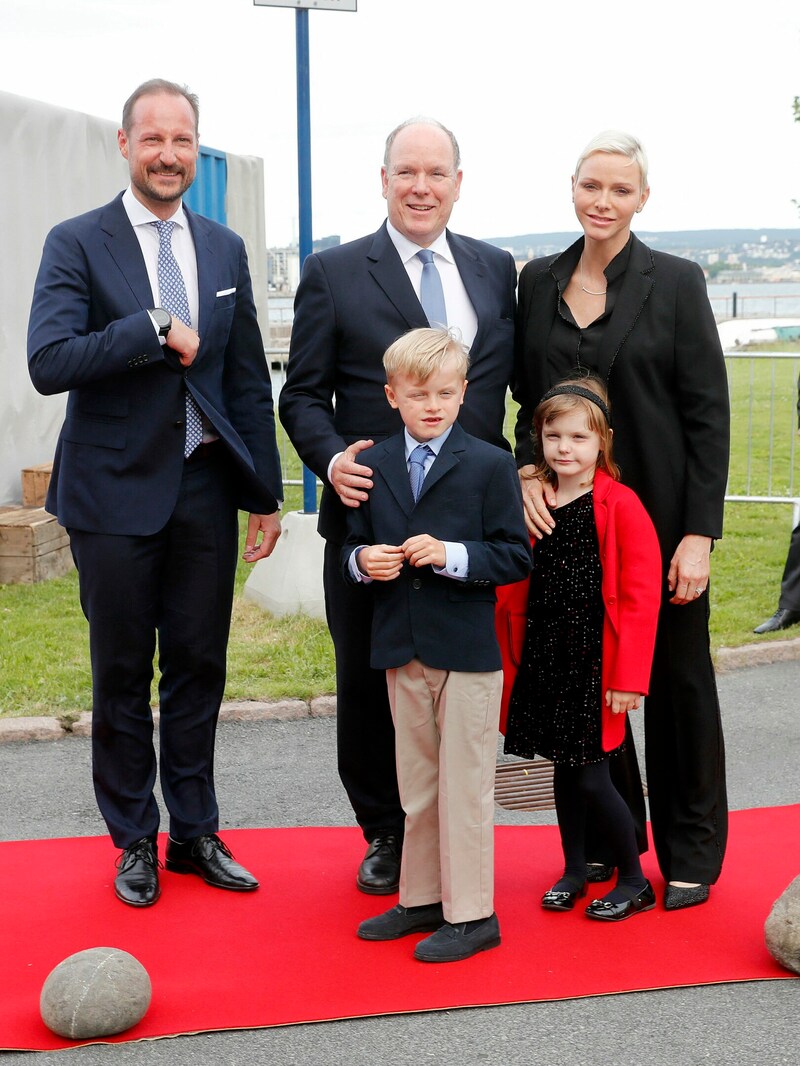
[
  {"x": 560, "y": 900},
  {"x": 617, "y": 912},
  {"x": 677, "y": 897}
]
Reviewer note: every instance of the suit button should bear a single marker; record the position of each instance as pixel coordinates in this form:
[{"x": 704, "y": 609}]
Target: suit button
[
  {"x": 177, "y": 425},
  {"x": 416, "y": 583}
]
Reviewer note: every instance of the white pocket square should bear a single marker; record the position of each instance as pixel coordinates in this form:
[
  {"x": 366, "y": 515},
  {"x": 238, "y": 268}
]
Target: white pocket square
[{"x": 226, "y": 292}]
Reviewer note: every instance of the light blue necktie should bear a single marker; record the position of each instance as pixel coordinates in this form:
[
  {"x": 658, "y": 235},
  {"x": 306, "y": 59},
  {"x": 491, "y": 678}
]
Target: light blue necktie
[
  {"x": 173, "y": 298},
  {"x": 416, "y": 468},
  {"x": 431, "y": 293}
]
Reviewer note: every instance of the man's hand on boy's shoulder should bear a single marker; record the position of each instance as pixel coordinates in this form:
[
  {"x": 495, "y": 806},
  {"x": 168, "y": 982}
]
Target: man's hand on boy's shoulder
[
  {"x": 425, "y": 550},
  {"x": 350, "y": 480},
  {"x": 381, "y": 562}
]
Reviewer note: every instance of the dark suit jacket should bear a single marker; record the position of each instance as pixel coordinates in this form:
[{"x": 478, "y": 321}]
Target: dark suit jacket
[
  {"x": 662, "y": 361},
  {"x": 119, "y": 458},
  {"x": 353, "y": 301},
  {"x": 470, "y": 494}
]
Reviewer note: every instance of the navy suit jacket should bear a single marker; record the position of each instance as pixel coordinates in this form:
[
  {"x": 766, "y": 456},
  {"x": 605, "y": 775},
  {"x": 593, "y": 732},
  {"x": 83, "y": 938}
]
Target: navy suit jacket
[
  {"x": 471, "y": 494},
  {"x": 353, "y": 301},
  {"x": 119, "y": 458}
]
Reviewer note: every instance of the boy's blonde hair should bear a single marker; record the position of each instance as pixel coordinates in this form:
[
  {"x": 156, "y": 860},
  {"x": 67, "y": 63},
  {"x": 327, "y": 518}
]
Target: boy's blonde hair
[
  {"x": 423, "y": 352},
  {"x": 589, "y": 395}
]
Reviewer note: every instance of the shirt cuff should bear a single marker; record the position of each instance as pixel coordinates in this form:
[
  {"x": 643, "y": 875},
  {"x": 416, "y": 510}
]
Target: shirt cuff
[
  {"x": 456, "y": 561},
  {"x": 352, "y": 564}
]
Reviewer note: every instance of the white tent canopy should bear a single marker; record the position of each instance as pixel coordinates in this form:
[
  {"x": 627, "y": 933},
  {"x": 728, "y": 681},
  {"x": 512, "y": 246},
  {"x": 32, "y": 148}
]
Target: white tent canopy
[{"x": 55, "y": 164}]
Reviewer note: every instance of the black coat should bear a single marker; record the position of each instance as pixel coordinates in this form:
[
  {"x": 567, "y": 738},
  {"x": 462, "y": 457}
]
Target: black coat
[{"x": 662, "y": 361}]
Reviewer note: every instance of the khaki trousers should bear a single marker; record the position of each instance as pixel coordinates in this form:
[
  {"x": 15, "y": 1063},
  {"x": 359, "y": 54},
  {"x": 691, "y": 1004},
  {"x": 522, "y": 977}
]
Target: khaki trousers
[{"x": 446, "y": 726}]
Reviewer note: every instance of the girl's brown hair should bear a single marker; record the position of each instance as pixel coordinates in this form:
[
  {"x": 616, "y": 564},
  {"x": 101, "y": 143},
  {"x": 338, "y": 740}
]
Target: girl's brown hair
[{"x": 570, "y": 395}]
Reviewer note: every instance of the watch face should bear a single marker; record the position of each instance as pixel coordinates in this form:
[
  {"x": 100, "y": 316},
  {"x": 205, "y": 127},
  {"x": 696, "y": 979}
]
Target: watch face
[{"x": 163, "y": 320}]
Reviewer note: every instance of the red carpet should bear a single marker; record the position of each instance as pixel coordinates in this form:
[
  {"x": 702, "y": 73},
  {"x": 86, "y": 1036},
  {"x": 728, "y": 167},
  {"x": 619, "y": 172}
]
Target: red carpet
[{"x": 288, "y": 953}]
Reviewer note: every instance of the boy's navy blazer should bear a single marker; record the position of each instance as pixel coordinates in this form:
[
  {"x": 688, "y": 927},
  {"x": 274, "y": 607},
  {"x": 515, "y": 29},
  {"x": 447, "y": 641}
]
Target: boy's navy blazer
[{"x": 471, "y": 494}]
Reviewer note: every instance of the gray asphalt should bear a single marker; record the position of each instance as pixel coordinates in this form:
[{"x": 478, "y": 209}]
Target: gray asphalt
[{"x": 282, "y": 773}]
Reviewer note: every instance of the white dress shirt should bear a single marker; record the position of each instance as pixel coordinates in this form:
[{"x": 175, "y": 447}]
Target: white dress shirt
[{"x": 182, "y": 248}]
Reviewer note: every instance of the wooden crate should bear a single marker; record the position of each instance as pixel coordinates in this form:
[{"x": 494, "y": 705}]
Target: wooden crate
[
  {"x": 33, "y": 546},
  {"x": 35, "y": 480}
]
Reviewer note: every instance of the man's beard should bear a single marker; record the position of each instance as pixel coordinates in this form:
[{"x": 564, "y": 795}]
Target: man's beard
[{"x": 164, "y": 196}]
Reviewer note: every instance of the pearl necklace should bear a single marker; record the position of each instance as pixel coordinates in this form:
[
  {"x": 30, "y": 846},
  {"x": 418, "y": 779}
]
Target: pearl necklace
[{"x": 589, "y": 291}]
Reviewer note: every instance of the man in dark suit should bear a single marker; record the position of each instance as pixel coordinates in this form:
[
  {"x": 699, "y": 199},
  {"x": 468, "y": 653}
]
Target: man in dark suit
[
  {"x": 353, "y": 301},
  {"x": 143, "y": 312}
]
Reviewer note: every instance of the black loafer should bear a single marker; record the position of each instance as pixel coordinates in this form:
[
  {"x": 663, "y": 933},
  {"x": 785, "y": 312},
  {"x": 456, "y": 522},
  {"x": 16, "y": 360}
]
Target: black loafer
[
  {"x": 400, "y": 921},
  {"x": 210, "y": 859},
  {"x": 676, "y": 897},
  {"x": 782, "y": 619},
  {"x": 379, "y": 872},
  {"x": 136, "y": 882},
  {"x": 562, "y": 900},
  {"x": 452, "y": 943},
  {"x": 618, "y": 912}
]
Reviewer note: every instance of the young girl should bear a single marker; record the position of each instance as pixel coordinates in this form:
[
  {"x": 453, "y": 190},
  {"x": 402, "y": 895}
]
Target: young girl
[{"x": 587, "y": 642}]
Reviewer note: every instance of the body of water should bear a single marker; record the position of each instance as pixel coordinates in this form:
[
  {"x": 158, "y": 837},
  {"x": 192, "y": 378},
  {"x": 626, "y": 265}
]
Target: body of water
[{"x": 752, "y": 300}]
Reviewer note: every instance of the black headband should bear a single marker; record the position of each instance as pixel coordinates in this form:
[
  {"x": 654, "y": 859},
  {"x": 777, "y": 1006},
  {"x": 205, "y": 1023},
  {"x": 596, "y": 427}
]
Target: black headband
[{"x": 577, "y": 390}]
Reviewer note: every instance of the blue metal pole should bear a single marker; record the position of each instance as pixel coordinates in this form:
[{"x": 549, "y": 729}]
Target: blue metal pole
[{"x": 304, "y": 189}]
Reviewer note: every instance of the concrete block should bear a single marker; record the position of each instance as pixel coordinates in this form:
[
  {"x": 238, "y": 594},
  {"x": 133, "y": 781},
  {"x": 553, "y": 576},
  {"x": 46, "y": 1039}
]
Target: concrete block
[{"x": 290, "y": 580}]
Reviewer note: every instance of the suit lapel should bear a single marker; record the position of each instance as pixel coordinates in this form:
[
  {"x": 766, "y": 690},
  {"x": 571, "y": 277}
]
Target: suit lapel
[
  {"x": 637, "y": 284},
  {"x": 394, "y": 470},
  {"x": 124, "y": 248},
  {"x": 449, "y": 457},
  {"x": 206, "y": 271},
  {"x": 473, "y": 274},
  {"x": 388, "y": 271}
]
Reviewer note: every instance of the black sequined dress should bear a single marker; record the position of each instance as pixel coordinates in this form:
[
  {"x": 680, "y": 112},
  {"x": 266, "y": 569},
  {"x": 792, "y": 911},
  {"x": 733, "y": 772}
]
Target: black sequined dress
[{"x": 555, "y": 704}]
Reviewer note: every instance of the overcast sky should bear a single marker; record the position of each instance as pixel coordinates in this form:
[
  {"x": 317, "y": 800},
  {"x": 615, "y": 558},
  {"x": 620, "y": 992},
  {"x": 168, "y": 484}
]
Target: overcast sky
[{"x": 524, "y": 84}]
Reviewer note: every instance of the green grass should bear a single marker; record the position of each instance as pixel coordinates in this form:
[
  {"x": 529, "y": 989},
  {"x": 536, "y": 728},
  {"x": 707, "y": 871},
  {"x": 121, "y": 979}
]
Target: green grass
[{"x": 44, "y": 636}]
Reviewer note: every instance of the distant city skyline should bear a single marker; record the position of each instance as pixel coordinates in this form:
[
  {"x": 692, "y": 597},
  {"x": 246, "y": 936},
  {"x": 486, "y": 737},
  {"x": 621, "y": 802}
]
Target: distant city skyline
[{"x": 524, "y": 86}]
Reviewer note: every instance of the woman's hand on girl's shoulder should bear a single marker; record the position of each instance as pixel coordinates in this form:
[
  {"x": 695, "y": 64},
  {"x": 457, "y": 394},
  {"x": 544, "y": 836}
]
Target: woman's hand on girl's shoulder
[{"x": 537, "y": 496}]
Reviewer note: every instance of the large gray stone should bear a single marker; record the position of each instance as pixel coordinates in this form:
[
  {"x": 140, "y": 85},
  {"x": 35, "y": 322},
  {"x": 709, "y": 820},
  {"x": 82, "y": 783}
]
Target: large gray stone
[
  {"x": 96, "y": 992},
  {"x": 782, "y": 928}
]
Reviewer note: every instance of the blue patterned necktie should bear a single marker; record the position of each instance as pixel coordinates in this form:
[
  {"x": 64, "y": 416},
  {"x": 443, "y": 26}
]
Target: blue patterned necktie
[
  {"x": 416, "y": 468},
  {"x": 173, "y": 298},
  {"x": 431, "y": 293}
]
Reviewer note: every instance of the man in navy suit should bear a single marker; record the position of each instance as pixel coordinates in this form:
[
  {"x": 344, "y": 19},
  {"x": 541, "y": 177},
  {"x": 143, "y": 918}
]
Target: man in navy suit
[
  {"x": 353, "y": 301},
  {"x": 169, "y": 430}
]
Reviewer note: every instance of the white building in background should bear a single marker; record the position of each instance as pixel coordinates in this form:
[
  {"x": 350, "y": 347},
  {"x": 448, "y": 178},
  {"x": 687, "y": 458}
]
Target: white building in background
[{"x": 283, "y": 269}]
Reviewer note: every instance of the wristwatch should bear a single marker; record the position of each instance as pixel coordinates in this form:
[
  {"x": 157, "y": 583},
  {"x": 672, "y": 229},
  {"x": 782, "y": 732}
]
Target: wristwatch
[{"x": 163, "y": 319}]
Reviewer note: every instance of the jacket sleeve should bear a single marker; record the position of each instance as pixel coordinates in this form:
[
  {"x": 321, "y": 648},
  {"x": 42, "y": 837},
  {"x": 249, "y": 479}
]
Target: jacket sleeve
[
  {"x": 628, "y": 659},
  {"x": 702, "y": 387},
  {"x": 66, "y": 347},
  {"x": 306, "y": 400}
]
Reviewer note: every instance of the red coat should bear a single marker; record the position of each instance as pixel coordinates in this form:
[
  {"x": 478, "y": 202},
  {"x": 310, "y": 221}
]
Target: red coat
[{"x": 631, "y": 590}]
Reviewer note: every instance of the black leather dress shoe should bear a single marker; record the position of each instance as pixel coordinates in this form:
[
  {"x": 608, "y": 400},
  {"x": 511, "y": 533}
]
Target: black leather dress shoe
[
  {"x": 452, "y": 943},
  {"x": 379, "y": 872},
  {"x": 676, "y": 897},
  {"x": 782, "y": 619},
  {"x": 136, "y": 882},
  {"x": 400, "y": 921},
  {"x": 208, "y": 857},
  {"x": 561, "y": 899},
  {"x": 617, "y": 912}
]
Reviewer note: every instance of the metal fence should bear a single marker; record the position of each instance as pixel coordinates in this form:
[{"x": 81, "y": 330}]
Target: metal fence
[
  {"x": 765, "y": 447},
  {"x": 764, "y": 428}
]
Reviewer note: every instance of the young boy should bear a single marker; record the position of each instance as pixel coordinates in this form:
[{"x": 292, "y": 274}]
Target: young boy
[{"x": 438, "y": 532}]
